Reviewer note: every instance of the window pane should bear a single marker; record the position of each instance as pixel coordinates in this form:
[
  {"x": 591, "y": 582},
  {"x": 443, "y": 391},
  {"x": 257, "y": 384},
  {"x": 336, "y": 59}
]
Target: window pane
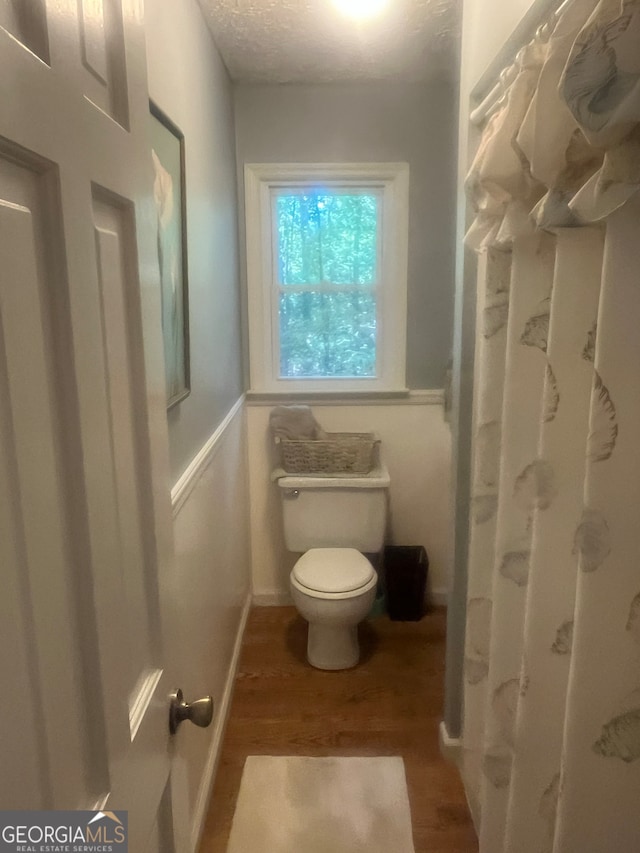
[
  {"x": 327, "y": 334},
  {"x": 327, "y": 237}
]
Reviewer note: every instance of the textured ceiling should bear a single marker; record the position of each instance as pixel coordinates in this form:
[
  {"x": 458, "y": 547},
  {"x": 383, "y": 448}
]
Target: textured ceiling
[{"x": 309, "y": 41}]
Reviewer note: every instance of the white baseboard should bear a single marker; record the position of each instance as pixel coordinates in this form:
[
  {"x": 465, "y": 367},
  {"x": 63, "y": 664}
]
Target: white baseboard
[
  {"x": 208, "y": 775},
  {"x": 438, "y": 597},
  {"x": 450, "y": 747},
  {"x": 272, "y": 599}
]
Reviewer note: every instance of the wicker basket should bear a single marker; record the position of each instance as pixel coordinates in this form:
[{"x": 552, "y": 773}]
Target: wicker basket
[{"x": 339, "y": 453}]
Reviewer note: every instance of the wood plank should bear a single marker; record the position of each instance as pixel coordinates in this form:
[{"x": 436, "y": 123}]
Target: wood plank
[{"x": 391, "y": 704}]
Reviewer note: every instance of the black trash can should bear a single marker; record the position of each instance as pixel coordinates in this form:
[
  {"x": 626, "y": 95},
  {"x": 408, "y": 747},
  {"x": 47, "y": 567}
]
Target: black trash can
[{"x": 405, "y": 573}]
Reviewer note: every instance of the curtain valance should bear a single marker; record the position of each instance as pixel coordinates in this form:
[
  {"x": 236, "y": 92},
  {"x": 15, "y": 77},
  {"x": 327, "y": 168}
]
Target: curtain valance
[{"x": 563, "y": 150}]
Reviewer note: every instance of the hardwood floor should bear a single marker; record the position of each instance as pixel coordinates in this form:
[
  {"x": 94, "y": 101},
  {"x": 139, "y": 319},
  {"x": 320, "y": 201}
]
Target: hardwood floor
[{"x": 391, "y": 704}]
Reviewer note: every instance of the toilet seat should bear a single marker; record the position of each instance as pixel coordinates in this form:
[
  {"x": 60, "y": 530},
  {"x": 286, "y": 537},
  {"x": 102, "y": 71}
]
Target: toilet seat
[
  {"x": 333, "y": 571},
  {"x": 332, "y": 596}
]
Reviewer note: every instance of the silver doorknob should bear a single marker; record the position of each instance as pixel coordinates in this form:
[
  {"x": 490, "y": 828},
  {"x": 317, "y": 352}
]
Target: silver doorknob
[{"x": 200, "y": 712}]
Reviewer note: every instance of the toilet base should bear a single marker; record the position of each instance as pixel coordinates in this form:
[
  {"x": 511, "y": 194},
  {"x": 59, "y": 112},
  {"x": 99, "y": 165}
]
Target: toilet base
[{"x": 333, "y": 647}]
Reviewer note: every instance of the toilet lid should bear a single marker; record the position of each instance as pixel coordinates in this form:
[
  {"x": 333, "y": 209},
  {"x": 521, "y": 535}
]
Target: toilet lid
[{"x": 333, "y": 570}]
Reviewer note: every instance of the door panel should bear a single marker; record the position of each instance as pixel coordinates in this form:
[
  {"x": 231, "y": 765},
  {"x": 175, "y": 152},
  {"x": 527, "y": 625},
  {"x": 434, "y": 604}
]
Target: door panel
[
  {"x": 27, "y": 22},
  {"x": 103, "y": 57},
  {"x": 120, "y": 309},
  {"x": 35, "y": 535},
  {"x": 93, "y": 38}
]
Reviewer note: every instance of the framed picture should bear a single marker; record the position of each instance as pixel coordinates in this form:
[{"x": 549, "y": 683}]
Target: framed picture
[{"x": 167, "y": 153}]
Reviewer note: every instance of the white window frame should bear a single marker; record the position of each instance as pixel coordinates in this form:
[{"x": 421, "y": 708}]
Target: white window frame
[{"x": 392, "y": 180}]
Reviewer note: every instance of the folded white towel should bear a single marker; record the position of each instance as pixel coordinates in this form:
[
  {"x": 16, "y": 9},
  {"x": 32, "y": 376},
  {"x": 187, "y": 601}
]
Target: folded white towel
[{"x": 296, "y": 422}]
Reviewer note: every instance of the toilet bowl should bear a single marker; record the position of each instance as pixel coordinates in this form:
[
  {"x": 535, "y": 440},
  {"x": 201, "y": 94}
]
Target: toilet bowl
[
  {"x": 334, "y": 590},
  {"x": 334, "y": 521}
]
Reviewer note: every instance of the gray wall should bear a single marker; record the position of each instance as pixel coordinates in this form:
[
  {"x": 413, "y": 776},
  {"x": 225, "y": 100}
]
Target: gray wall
[
  {"x": 190, "y": 84},
  {"x": 413, "y": 123}
]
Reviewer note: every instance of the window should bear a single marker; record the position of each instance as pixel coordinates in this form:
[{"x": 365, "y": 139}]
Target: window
[{"x": 326, "y": 270}]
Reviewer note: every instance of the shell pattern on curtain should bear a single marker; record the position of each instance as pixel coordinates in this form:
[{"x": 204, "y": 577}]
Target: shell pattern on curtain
[{"x": 551, "y": 757}]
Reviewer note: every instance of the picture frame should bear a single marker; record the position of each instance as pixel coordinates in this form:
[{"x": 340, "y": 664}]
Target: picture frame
[{"x": 168, "y": 157}]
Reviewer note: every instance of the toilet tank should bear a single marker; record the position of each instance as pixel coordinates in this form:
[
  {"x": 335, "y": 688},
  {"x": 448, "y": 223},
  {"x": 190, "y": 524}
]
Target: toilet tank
[{"x": 335, "y": 512}]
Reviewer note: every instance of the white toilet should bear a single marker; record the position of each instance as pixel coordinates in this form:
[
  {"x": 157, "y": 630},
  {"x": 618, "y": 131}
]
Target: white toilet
[{"x": 334, "y": 521}]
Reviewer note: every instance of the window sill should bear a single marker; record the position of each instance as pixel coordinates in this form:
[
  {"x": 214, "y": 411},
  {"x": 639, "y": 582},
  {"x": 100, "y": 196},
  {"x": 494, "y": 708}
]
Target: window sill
[{"x": 348, "y": 398}]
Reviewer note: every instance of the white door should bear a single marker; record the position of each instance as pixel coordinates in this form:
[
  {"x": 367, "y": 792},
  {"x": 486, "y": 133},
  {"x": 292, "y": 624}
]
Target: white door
[{"x": 85, "y": 521}]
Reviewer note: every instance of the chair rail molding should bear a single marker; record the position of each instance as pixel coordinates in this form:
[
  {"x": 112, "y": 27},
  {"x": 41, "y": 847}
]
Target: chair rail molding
[{"x": 199, "y": 464}]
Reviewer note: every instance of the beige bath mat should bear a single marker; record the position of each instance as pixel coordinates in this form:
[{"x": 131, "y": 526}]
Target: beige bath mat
[{"x": 322, "y": 805}]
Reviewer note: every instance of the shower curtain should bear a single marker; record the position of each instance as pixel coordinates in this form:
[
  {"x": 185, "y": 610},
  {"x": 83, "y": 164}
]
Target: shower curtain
[{"x": 551, "y": 741}]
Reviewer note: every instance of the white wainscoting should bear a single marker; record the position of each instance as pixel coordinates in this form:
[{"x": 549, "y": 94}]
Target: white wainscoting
[
  {"x": 416, "y": 445},
  {"x": 213, "y": 564}
]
